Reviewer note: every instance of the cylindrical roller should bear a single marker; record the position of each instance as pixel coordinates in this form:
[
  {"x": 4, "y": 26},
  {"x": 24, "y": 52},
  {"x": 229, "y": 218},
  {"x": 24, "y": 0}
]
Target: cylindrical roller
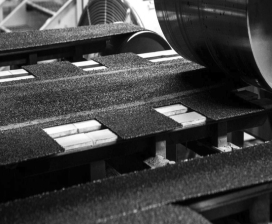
[{"x": 234, "y": 36}]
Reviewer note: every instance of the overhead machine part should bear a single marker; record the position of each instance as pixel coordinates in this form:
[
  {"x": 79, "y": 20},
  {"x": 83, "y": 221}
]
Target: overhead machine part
[
  {"x": 107, "y": 11},
  {"x": 115, "y": 11},
  {"x": 234, "y": 36}
]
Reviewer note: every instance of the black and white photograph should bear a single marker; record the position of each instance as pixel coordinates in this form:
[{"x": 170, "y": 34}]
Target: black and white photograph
[{"x": 135, "y": 111}]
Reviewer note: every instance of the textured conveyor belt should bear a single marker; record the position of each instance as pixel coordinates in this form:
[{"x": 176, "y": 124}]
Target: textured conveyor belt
[
  {"x": 120, "y": 196},
  {"x": 11, "y": 42},
  {"x": 122, "y": 99},
  {"x": 133, "y": 122},
  {"x": 47, "y": 72},
  {"x": 217, "y": 105},
  {"x": 26, "y": 143}
]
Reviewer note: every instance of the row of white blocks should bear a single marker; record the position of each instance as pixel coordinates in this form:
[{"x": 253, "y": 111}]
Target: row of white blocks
[
  {"x": 81, "y": 135},
  {"x": 19, "y": 74},
  {"x": 178, "y": 113},
  {"x": 88, "y": 134},
  {"x": 14, "y": 75}
]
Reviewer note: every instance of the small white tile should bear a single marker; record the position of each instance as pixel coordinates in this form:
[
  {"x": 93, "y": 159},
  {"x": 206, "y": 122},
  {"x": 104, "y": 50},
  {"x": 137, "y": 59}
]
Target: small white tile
[
  {"x": 189, "y": 119},
  {"x": 17, "y": 78},
  {"x": 102, "y": 137},
  {"x": 85, "y": 63},
  {"x": 166, "y": 59},
  {"x": 87, "y": 126},
  {"x": 62, "y": 130},
  {"x": 95, "y": 68},
  {"x": 75, "y": 142},
  {"x": 19, "y": 72},
  {"x": 4, "y": 73},
  {"x": 172, "y": 110},
  {"x": 157, "y": 54}
]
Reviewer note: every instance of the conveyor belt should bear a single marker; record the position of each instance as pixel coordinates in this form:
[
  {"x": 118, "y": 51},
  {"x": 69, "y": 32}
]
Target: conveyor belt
[
  {"x": 31, "y": 39},
  {"x": 110, "y": 95},
  {"x": 91, "y": 92},
  {"x": 218, "y": 105},
  {"x": 29, "y": 47},
  {"x": 145, "y": 190},
  {"x": 136, "y": 122},
  {"x": 18, "y": 145},
  {"x": 48, "y": 71}
]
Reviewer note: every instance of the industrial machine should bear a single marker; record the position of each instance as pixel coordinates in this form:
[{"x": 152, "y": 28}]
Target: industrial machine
[{"x": 140, "y": 136}]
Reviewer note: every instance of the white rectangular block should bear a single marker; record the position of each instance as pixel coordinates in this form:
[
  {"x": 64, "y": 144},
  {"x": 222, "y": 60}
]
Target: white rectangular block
[
  {"x": 85, "y": 63},
  {"x": 4, "y": 73},
  {"x": 87, "y": 126},
  {"x": 75, "y": 142},
  {"x": 158, "y": 54},
  {"x": 61, "y": 131},
  {"x": 166, "y": 59},
  {"x": 189, "y": 119},
  {"x": 172, "y": 110},
  {"x": 17, "y": 78},
  {"x": 102, "y": 137},
  {"x": 94, "y": 68},
  {"x": 18, "y": 72}
]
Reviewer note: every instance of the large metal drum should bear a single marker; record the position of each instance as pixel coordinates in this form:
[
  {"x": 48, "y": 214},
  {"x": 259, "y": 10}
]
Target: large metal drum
[{"x": 234, "y": 36}]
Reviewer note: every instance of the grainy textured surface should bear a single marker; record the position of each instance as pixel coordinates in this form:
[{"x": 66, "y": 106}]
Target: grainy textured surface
[
  {"x": 123, "y": 61},
  {"x": 45, "y": 99},
  {"x": 162, "y": 215},
  {"x": 53, "y": 70},
  {"x": 22, "y": 144},
  {"x": 31, "y": 39},
  {"x": 110, "y": 95},
  {"x": 122, "y": 195},
  {"x": 219, "y": 105},
  {"x": 136, "y": 122},
  {"x": 75, "y": 97}
]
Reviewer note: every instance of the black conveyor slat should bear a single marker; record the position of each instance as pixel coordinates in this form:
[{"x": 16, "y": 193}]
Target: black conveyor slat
[
  {"x": 103, "y": 95},
  {"x": 40, "y": 99},
  {"x": 84, "y": 92},
  {"x": 136, "y": 122},
  {"x": 28, "y": 47},
  {"x": 12, "y": 42},
  {"x": 219, "y": 105},
  {"x": 53, "y": 70},
  {"x": 146, "y": 189},
  {"x": 18, "y": 145}
]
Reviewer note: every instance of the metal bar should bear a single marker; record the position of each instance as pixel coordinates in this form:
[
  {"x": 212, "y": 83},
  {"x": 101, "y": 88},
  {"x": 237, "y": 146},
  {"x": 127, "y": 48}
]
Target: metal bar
[
  {"x": 219, "y": 138},
  {"x": 97, "y": 170},
  {"x": 259, "y": 211}
]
